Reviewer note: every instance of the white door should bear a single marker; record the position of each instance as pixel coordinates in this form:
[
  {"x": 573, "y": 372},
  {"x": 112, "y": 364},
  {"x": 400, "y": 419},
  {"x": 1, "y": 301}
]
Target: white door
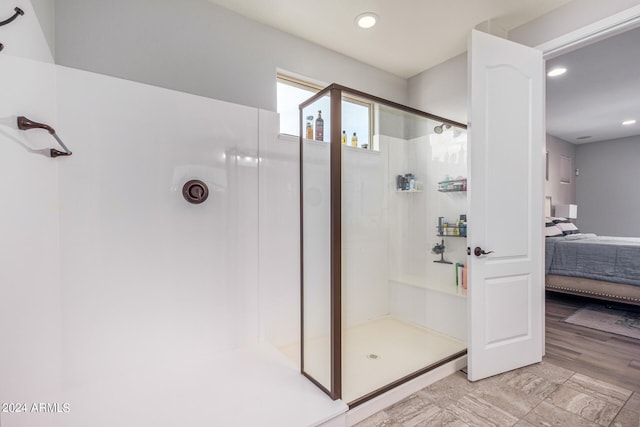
[{"x": 506, "y": 144}]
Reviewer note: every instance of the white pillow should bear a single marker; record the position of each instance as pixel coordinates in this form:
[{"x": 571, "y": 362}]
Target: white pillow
[
  {"x": 553, "y": 231},
  {"x": 568, "y": 228}
]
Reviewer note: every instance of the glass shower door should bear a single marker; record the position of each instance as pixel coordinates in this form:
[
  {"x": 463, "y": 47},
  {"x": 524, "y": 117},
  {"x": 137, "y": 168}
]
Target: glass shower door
[{"x": 318, "y": 346}]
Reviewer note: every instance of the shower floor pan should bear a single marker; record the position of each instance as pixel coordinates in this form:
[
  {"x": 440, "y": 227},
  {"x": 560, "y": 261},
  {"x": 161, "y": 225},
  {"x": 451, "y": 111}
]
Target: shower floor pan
[{"x": 381, "y": 351}]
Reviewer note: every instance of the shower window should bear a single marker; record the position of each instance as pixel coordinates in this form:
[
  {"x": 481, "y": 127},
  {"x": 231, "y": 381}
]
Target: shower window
[
  {"x": 291, "y": 92},
  {"x": 357, "y": 113}
]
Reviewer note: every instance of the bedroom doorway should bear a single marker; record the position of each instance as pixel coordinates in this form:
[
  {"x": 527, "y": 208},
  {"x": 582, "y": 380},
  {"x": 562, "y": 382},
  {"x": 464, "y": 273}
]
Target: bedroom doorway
[{"x": 606, "y": 28}]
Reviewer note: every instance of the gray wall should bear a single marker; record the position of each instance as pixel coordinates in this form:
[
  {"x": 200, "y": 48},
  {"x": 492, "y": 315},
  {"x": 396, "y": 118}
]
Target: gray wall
[
  {"x": 197, "y": 47},
  {"x": 607, "y": 190},
  {"x": 567, "y": 18},
  {"x": 442, "y": 90},
  {"x": 561, "y": 194},
  {"x": 46, "y": 17}
]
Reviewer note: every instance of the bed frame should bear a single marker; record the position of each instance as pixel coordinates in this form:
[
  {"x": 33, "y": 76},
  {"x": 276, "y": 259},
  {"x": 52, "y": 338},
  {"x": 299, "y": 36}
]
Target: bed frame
[{"x": 608, "y": 291}]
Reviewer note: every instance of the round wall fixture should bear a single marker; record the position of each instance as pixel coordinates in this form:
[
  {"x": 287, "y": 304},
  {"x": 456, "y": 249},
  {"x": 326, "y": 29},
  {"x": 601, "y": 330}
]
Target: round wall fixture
[{"x": 195, "y": 191}]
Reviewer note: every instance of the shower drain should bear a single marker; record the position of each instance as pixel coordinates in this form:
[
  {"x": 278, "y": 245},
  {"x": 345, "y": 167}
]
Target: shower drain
[{"x": 372, "y": 356}]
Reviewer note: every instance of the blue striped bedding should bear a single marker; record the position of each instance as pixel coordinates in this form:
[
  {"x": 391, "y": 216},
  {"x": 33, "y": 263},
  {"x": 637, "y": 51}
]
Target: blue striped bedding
[{"x": 611, "y": 259}]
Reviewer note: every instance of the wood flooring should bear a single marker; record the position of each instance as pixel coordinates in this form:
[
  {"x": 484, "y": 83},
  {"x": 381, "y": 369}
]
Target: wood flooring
[{"x": 602, "y": 355}]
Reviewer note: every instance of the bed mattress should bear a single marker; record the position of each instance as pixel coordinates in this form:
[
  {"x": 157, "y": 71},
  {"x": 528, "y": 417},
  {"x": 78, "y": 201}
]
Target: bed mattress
[{"x": 605, "y": 258}]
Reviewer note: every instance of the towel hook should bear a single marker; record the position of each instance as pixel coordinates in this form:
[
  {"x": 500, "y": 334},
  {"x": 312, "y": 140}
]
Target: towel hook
[
  {"x": 26, "y": 124},
  {"x": 19, "y": 12}
]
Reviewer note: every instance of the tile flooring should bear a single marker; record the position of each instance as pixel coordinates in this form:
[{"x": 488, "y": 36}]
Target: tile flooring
[{"x": 539, "y": 395}]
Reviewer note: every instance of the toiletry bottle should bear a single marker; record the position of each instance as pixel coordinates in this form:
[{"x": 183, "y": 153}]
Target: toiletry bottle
[
  {"x": 354, "y": 140},
  {"x": 309, "y": 127},
  {"x": 412, "y": 182},
  {"x": 319, "y": 127},
  {"x": 344, "y": 137},
  {"x": 407, "y": 182}
]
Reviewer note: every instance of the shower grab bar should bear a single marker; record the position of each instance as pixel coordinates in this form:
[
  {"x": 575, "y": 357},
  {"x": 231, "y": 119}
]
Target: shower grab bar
[
  {"x": 26, "y": 124},
  {"x": 19, "y": 12}
]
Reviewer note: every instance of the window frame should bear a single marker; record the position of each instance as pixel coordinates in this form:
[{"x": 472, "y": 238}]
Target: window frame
[{"x": 307, "y": 85}]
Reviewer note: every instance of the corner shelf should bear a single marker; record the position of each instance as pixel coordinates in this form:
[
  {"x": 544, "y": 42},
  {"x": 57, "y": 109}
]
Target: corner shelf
[
  {"x": 452, "y": 228},
  {"x": 453, "y": 185},
  {"x": 451, "y": 191}
]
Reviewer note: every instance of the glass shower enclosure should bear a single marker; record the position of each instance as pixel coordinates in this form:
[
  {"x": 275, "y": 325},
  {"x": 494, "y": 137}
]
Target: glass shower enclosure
[{"x": 383, "y": 242}]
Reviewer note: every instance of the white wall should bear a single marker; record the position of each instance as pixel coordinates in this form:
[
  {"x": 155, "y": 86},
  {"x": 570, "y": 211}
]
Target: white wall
[
  {"x": 30, "y": 258},
  {"x": 560, "y": 193},
  {"x": 607, "y": 193},
  {"x": 365, "y": 228},
  {"x": 422, "y": 291},
  {"x": 279, "y": 257},
  {"x": 147, "y": 277},
  {"x": 197, "y": 47},
  {"x": 105, "y": 269}
]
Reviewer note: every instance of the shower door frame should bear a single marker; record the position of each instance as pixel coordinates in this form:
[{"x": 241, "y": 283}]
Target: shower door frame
[{"x": 335, "y": 92}]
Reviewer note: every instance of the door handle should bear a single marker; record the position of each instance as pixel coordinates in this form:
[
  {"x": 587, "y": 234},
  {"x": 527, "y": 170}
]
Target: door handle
[{"x": 479, "y": 251}]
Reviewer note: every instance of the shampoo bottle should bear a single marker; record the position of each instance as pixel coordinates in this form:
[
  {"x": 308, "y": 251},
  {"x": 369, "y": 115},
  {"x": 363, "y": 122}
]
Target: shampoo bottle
[
  {"x": 319, "y": 127},
  {"x": 354, "y": 140},
  {"x": 309, "y": 127}
]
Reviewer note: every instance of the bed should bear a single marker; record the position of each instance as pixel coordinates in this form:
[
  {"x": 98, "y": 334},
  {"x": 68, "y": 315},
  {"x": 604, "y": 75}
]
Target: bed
[
  {"x": 585, "y": 264},
  {"x": 601, "y": 267}
]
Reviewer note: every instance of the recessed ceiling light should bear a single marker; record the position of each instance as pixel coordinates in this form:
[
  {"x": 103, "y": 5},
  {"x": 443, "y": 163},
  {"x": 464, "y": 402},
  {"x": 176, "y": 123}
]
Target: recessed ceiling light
[
  {"x": 584, "y": 137},
  {"x": 558, "y": 71},
  {"x": 629, "y": 122},
  {"x": 366, "y": 20}
]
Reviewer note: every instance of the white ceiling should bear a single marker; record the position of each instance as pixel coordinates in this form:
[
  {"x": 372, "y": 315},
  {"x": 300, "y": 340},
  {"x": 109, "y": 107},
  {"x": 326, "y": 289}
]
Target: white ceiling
[
  {"x": 600, "y": 90},
  {"x": 411, "y": 35}
]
